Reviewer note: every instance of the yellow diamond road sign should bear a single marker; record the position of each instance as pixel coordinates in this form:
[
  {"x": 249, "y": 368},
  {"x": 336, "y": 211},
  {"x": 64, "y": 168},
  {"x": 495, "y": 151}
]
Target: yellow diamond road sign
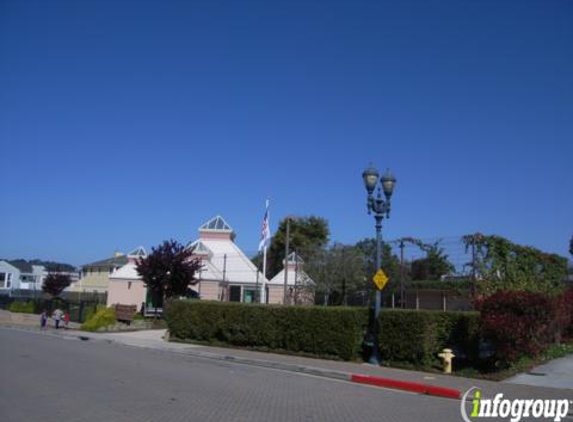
[{"x": 380, "y": 279}]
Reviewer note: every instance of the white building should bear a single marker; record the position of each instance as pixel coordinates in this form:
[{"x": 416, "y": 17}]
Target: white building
[
  {"x": 19, "y": 277},
  {"x": 300, "y": 287},
  {"x": 227, "y": 273}
]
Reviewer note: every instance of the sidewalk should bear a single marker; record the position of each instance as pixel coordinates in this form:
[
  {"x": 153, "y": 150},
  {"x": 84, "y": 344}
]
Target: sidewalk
[
  {"x": 153, "y": 339},
  {"x": 14, "y": 319},
  {"x": 558, "y": 374}
]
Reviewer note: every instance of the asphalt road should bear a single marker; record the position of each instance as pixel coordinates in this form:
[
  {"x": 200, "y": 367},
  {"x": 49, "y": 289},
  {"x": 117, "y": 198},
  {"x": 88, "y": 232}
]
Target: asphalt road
[{"x": 48, "y": 378}]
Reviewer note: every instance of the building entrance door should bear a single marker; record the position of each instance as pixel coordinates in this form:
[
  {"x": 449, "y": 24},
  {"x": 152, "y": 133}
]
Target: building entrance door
[{"x": 235, "y": 294}]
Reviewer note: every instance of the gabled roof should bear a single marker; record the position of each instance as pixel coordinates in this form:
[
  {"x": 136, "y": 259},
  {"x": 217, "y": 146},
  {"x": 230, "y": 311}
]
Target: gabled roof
[
  {"x": 8, "y": 264},
  {"x": 227, "y": 258},
  {"x": 138, "y": 252},
  {"x": 199, "y": 248},
  {"x": 23, "y": 265},
  {"x": 293, "y": 258},
  {"x": 216, "y": 224},
  {"x": 126, "y": 272},
  {"x": 294, "y": 277},
  {"x": 209, "y": 272},
  {"x": 115, "y": 261}
]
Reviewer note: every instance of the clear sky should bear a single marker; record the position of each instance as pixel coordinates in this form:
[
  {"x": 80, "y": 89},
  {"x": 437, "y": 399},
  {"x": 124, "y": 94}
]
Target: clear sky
[{"x": 128, "y": 122}]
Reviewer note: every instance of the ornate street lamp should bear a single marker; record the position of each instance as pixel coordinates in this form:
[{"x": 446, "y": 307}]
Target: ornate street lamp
[{"x": 380, "y": 208}]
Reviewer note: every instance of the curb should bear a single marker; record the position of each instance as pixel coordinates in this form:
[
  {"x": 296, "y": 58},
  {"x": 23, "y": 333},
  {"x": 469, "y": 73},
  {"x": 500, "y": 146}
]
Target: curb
[{"x": 414, "y": 387}]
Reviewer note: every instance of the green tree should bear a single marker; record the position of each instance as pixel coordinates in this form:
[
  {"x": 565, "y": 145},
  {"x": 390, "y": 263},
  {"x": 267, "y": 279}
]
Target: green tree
[
  {"x": 168, "y": 271},
  {"x": 390, "y": 262},
  {"x": 502, "y": 264},
  {"x": 55, "y": 283},
  {"x": 338, "y": 272},
  {"x": 307, "y": 236},
  {"x": 433, "y": 266}
]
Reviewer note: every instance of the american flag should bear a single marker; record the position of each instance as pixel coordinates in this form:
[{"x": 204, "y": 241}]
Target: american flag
[{"x": 265, "y": 230}]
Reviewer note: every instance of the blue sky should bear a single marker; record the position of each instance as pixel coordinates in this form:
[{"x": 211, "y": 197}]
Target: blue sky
[{"x": 128, "y": 122}]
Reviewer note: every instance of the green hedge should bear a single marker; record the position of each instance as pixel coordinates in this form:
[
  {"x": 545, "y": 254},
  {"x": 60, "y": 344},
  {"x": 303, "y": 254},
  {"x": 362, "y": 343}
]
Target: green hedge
[
  {"x": 417, "y": 337},
  {"x": 319, "y": 331}
]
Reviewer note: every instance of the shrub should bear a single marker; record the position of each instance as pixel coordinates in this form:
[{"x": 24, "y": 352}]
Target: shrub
[
  {"x": 417, "y": 336},
  {"x": 101, "y": 319},
  {"x": 319, "y": 331},
  {"x": 90, "y": 310},
  {"x": 21, "y": 307},
  {"x": 564, "y": 309},
  {"x": 518, "y": 323}
]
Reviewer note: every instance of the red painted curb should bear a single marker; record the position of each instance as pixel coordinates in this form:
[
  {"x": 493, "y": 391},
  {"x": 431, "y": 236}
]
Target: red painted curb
[
  {"x": 415, "y": 387},
  {"x": 443, "y": 392}
]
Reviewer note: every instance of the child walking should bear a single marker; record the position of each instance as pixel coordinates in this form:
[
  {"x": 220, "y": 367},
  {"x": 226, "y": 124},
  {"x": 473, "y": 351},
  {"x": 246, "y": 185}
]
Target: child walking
[
  {"x": 66, "y": 319},
  {"x": 43, "y": 320}
]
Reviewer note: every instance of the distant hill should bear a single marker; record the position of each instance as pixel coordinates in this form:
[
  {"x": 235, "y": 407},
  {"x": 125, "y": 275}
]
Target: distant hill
[
  {"x": 54, "y": 266},
  {"x": 49, "y": 265}
]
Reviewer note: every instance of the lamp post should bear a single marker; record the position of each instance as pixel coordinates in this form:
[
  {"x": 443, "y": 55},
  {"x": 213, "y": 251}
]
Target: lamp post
[{"x": 380, "y": 208}]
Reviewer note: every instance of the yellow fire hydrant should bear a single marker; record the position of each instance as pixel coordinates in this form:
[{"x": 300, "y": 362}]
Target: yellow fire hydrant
[{"x": 447, "y": 356}]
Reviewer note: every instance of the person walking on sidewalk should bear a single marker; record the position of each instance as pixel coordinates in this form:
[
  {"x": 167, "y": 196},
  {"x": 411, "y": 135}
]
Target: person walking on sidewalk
[
  {"x": 43, "y": 320},
  {"x": 66, "y": 320},
  {"x": 57, "y": 317}
]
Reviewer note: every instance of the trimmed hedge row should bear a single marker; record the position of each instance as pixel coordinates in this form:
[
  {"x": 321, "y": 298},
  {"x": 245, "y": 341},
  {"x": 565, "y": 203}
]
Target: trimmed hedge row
[
  {"x": 319, "y": 331},
  {"x": 405, "y": 336},
  {"x": 418, "y": 336}
]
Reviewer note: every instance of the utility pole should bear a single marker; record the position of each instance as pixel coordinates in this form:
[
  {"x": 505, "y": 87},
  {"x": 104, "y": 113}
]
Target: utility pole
[
  {"x": 257, "y": 293},
  {"x": 224, "y": 284},
  {"x": 474, "y": 273},
  {"x": 286, "y": 259},
  {"x": 295, "y": 291},
  {"x": 402, "y": 275}
]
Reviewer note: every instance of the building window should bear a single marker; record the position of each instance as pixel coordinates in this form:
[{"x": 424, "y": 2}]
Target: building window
[
  {"x": 9, "y": 281},
  {"x": 235, "y": 294},
  {"x": 2, "y": 280},
  {"x": 129, "y": 285}
]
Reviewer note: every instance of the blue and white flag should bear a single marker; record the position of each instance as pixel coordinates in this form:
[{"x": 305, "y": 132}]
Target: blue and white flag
[{"x": 265, "y": 230}]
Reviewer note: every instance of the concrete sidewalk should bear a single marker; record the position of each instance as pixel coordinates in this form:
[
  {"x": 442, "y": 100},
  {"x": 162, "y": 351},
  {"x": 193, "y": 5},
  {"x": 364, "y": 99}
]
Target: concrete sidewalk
[
  {"x": 154, "y": 339},
  {"x": 558, "y": 374}
]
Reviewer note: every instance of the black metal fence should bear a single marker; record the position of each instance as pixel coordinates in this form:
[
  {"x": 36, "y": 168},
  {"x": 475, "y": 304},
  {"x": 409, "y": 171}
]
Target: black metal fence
[{"x": 79, "y": 310}]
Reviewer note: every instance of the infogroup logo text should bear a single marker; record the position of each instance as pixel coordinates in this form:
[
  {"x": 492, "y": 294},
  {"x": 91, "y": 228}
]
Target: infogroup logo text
[{"x": 514, "y": 410}]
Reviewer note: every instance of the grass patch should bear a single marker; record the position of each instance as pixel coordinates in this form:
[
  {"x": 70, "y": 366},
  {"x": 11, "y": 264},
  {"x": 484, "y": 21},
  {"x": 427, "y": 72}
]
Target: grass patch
[{"x": 21, "y": 307}]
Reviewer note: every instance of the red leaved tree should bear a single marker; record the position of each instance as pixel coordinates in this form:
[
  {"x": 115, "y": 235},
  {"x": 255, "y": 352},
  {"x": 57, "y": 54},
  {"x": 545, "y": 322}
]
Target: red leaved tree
[{"x": 168, "y": 271}]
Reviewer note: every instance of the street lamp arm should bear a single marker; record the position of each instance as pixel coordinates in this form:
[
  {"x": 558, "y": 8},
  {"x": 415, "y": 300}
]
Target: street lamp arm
[{"x": 370, "y": 204}]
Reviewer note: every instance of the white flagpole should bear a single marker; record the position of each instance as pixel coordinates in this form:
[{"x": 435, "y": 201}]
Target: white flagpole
[
  {"x": 263, "y": 294},
  {"x": 264, "y": 283}
]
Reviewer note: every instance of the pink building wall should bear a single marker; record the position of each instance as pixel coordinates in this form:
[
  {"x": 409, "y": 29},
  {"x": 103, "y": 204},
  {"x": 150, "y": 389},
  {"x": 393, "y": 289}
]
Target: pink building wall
[{"x": 126, "y": 292}]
